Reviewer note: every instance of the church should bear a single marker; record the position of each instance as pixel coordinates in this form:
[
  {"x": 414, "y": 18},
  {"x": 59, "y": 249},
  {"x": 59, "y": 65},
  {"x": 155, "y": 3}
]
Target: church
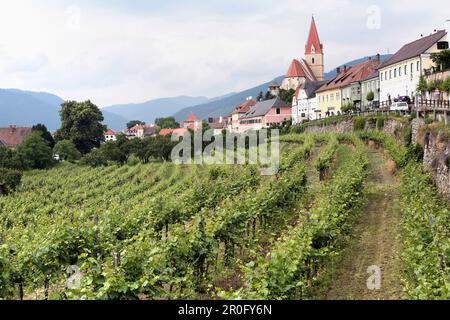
[{"x": 309, "y": 69}]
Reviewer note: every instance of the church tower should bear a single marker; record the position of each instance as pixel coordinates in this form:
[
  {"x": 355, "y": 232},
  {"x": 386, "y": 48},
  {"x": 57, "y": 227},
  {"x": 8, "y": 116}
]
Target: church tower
[{"x": 314, "y": 52}]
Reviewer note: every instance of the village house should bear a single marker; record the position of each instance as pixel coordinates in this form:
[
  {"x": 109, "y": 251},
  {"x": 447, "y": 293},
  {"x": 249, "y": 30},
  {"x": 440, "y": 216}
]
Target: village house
[
  {"x": 192, "y": 122},
  {"x": 352, "y": 94},
  {"x": 141, "y": 131},
  {"x": 12, "y": 136},
  {"x": 400, "y": 75},
  {"x": 265, "y": 114},
  {"x": 370, "y": 84},
  {"x": 110, "y": 135},
  {"x": 344, "y": 88},
  {"x": 241, "y": 110},
  {"x": 304, "y": 102},
  {"x": 218, "y": 124},
  {"x": 311, "y": 68}
]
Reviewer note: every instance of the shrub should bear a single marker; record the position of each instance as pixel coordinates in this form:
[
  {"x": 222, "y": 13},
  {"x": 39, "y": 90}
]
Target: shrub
[
  {"x": 96, "y": 158},
  {"x": 67, "y": 151},
  {"x": 414, "y": 153},
  {"x": 380, "y": 123},
  {"x": 9, "y": 180},
  {"x": 359, "y": 124},
  {"x": 407, "y": 136}
]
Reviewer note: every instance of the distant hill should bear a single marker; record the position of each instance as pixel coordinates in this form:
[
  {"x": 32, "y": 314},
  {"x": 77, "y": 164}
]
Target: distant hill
[
  {"x": 150, "y": 110},
  {"x": 223, "y": 106},
  {"x": 332, "y": 73},
  {"x": 26, "y": 108}
]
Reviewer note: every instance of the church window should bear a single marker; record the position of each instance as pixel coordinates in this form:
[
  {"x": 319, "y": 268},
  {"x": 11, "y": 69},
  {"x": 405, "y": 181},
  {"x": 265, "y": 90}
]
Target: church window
[
  {"x": 313, "y": 49},
  {"x": 313, "y": 60}
]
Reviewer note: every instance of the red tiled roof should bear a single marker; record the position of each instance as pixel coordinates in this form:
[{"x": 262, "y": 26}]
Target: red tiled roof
[
  {"x": 165, "y": 132},
  {"x": 295, "y": 70},
  {"x": 300, "y": 69},
  {"x": 244, "y": 107},
  {"x": 13, "y": 136},
  {"x": 313, "y": 39},
  {"x": 191, "y": 118},
  {"x": 180, "y": 131},
  {"x": 110, "y": 132},
  {"x": 353, "y": 74}
]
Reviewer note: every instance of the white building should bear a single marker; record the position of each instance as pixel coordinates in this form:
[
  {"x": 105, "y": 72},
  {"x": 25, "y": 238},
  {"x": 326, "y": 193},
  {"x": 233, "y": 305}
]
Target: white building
[
  {"x": 304, "y": 102},
  {"x": 110, "y": 135},
  {"x": 399, "y": 75}
]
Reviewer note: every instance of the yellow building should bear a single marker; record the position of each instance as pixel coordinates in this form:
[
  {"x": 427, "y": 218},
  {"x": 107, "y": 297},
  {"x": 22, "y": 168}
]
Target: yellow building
[
  {"x": 330, "y": 95},
  {"x": 329, "y": 102}
]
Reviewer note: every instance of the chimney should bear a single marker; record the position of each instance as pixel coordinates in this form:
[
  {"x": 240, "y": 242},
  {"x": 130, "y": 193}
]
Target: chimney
[
  {"x": 13, "y": 128},
  {"x": 447, "y": 26},
  {"x": 378, "y": 57},
  {"x": 338, "y": 70},
  {"x": 345, "y": 68}
]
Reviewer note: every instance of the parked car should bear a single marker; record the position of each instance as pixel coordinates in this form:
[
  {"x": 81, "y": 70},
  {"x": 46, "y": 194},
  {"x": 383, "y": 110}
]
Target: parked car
[
  {"x": 399, "y": 106},
  {"x": 403, "y": 99}
]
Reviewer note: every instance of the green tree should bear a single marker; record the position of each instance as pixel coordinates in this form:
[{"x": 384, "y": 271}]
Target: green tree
[
  {"x": 422, "y": 86},
  {"x": 95, "y": 158},
  {"x": 370, "y": 96},
  {"x": 11, "y": 159},
  {"x": 346, "y": 108},
  {"x": 81, "y": 123},
  {"x": 167, "y": 123},
  {"x": 260, "y": 96},
  {"x": 287, "y": 95},
  {"x": 36, "y": 152},
  {"x": 441, "y": 59},
  {"x": 269, "y": 96},
  {"x": 112, "y": 152},
  {"x": 45, "y": 134},
  {"x": 133, "y": 123},
  {"x": 67, "y": 151}
]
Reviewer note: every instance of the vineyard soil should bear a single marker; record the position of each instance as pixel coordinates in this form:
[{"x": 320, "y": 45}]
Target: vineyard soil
[{"x": 375, "y": 241}]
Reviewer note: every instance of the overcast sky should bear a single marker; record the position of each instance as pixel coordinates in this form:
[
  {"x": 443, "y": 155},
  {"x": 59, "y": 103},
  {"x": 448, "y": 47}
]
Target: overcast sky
[{"x": 121, "y": 51}]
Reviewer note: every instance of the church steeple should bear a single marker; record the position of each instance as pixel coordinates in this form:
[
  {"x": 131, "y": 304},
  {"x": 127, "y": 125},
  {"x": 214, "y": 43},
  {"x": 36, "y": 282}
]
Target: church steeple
[{"x": 314, "y": 52}]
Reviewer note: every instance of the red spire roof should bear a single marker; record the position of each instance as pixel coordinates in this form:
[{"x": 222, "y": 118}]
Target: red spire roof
[
  {"x": 295, "y": 70},
  {"x": 313, "y": 40}
]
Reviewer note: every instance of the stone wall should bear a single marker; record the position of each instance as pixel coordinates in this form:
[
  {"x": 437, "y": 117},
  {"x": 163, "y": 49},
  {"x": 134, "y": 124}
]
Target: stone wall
[
  {"x": 436, "y": 149},
  {"x": 340, "y": 127},
  {"x": 437, "y": 159},
  {"x": 394, "y": 128}
]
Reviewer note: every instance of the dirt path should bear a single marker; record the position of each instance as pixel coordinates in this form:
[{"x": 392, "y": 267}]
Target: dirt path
[{"x": 375, "y": 241}]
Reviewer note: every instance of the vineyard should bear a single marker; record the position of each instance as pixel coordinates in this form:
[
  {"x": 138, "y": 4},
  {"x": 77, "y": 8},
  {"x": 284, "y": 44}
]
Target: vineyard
[{"x": 165, "y": 231}]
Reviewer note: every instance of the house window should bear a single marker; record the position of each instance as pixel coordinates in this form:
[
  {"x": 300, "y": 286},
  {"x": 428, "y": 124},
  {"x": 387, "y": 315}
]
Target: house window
[
  {"x": 385, "y": 75},
  {"x": 412, "y": 68},
  {"x": 395, "y": 73},
  {"x": 406, "y": 69},
  {"x": 338, "y": 96},
  {"x": 278, "y": 111},
  {"x": 400, "y": 71},
  {"x": 381, "y": 76},
  {"x": 418, "y": 66}
]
